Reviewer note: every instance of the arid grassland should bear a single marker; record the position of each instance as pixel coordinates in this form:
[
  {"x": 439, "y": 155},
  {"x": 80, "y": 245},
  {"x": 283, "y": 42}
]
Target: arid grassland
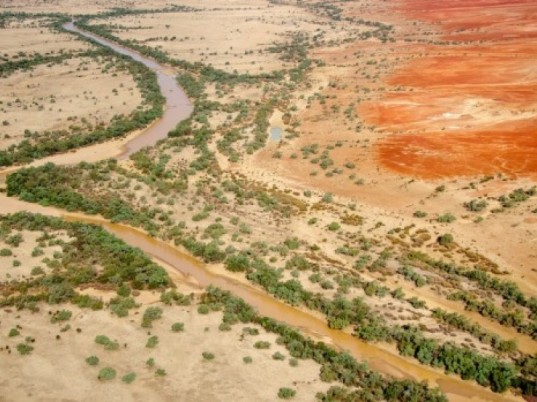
[{"x": 349, "y": 212}]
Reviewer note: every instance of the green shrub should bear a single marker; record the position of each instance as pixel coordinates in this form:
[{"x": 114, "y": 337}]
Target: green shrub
[
  {"x": 224, "y": 327},
  {"x": 24, "y": 349},
  {"x": 420, "y": 214},
  {"x": 5, "y": 252},
  {"x": 151, "y": 314},
  {"x": 262, "y": 345},
  {"x": 160, "y": 372},
  {"x": 124, "y": 290},
  {"x": 150, "y": 362},
  {"x": 333, "y": 226},
  {"x": 475, "y": 205},
  {"x": 247, "y": 359},
  {"x": 37, "y": 251},
  {"x": 121, "y": 305},
  {"x": 328, "y": 197},
  {"x": 152, "y": 342},
  {"x": 208, "y": 355},
  {"x": 128, "y": 378},
  {"x": 445, "y": 239},
  {"x": 106, "y": 342},
  {"x": 237, "y": 263},
  {"x": 62, "y": 315},
  {"x": 92, "y": 360},
  {"x": 13, "y": 332},
  {"x": 203, "y": 309},
  {"x": 107, "y": 374},
  {"x": 250, "y": 331},
  {"x": 174, "y": 296},
  {"x": 278, "y": 356},
  {"x": 446, "y": 218},
  {"x": 178, "y": 327},
  {"x": 14, "y": 240},
  {"x": 286, "y": 393}
]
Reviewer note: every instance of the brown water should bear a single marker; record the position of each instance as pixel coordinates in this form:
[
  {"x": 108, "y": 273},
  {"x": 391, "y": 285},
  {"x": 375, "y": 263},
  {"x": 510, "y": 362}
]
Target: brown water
[
  {"x": 178, "y": 107},
  {"x": 379, "y": 358}
]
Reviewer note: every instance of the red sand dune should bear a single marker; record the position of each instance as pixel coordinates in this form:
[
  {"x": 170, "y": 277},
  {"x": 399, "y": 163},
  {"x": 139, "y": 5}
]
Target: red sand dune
[{"x": 473, "y": 108}]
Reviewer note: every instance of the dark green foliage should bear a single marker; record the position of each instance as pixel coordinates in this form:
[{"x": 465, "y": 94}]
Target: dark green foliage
[
  {"x": 62, "y": 315},
  {"x": 174, "y": 297},
  {"x": 445, "y": 239},
  {"x": 342, "y": 366},
  {"x": 107, "y": 374},
  {"x": 152, "y": 342},
  {"x": 512, "y": 317},
  {"x": 121, "y": 305},
  {"x": 128, "y": 378},
  {"x": 278, "y": 356},
  {"x": 5, "y": 252},
  {"x": 61, "y": 186},
  {"x": 298, "y": 262},
  {"x": 224, "y": 327},
  {"x": 286, "y": 393},
  {"x": 517, "y": 196},
  {"x": 250, "y": 331},
  {"x": 124, "y": 290},
  {"x": 209, "y": 252},
  {"x": 151, "y": 314},
  {"x": 13, "y": 332},
  {"x": 92, "y": 360},
  {"x": 238, "y": 262},
  {"x": 508, "y": 290},
  {"x": 203, "y": 309},
  {"x": 106, "y": 342},
  {"x": 475, "y": 205},
  {"x": 24, "y": 349},
  {"x": 487, "y": 371},
  {"x": 461, "y": 322},
  {"x": 420, "y": 214},
  {"x": 411, "y": 275},
  {"x": 334, "y": 226},
  {"x": 178, "y": 327},
  {"x": 208, "y": 355},
  {"x": 446, "y": 218},
  {"x": 87, "y": 301},
  {"x": 120, "y": 263},
  {"x": 262, "y": 345}
]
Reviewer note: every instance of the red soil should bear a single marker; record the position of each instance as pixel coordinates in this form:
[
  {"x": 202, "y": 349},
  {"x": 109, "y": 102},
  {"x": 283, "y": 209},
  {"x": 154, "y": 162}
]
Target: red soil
[{"x": 473, "y": 107}]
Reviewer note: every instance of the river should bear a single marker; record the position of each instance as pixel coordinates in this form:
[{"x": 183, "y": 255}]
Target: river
[{"x": 379, "y": 358}]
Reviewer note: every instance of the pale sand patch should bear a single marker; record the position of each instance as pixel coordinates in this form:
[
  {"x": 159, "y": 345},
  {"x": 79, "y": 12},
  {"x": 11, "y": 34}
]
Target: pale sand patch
[
  {"x": 56, "y": 369},
  {"x": 29, "y": 36},
  {"x": 52, "y": 98},
  {"x": 232, "y": 36}
]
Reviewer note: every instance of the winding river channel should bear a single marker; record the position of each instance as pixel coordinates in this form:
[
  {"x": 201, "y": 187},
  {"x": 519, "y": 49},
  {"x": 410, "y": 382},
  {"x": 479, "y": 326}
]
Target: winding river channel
[{"x": 381, "y": 358}]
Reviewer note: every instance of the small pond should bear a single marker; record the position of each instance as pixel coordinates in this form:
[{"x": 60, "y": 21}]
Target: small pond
[{"x": 276, "y": 133}]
